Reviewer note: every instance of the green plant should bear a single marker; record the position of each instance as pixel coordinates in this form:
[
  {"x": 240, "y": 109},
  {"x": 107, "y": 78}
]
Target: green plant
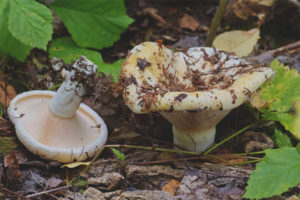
[
  {"x": 27, "y": 24},
  {"x": 119, "y": 155},
  {"x": 279, "y": 170}
]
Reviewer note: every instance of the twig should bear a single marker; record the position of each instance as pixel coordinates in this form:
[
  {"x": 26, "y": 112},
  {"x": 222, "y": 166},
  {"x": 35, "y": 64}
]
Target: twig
[
  {"x": 251, "y": 153},
  {"x": 39, "y": 164},
  {"x": 93, "y": 160},
  {"x": 216, "y": 22},
  {"x": 47, "y": 191},
  {"x": 248, "y": 162},
  {"x": 152, "y": 149},
  {"x": 228, "y": 138},
  {"x": 268, "y": 56},
  {"x": 11, "y": 192}
]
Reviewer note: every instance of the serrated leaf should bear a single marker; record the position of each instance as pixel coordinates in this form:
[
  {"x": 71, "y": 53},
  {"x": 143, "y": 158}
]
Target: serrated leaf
[
  {"x": 113, "y": 68},
  {"x": 280, "y": 94},
  {"x": 93, "y": 23},
  {"x": 66, "y": 49},
  {"x": 239, "y": 42},
  {"x": 281, "y": 139},
  {"x": 278, "y": 171},
  {"x": 76, "y": 164},
  {"x": 9, "y": 44},
  {"x": 30, "y": 22},
  {"x": 119, "y": 155}
]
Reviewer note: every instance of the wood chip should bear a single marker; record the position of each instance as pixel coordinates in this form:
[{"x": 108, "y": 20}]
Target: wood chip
[
  {"x": 171, "y": 187},
  {"x": 188, "y": 22},
  {"x": 10, "y": 93}
]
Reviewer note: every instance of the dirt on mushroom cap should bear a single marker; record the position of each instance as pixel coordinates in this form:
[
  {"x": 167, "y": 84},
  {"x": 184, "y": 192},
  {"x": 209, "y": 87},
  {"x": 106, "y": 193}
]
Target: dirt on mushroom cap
[{"x": 165, "y": 74}]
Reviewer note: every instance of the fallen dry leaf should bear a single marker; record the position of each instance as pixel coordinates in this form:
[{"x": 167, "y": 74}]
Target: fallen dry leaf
[
  {"x": 75, "y": 164},
  {"x": 171, "y": 186},
  {"x": 253, "y": 10},
  {"x": 12, "y": 173},
  {"x": 10, "y": 93},
  {"x": 188, "y": 22},
  {"x": 239, "y": 42}
]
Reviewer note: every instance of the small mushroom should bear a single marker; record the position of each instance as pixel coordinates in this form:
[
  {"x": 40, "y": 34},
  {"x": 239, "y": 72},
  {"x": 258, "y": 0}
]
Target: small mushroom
[
  {"x": 194, "y": 88},
  {"x": 54, "y": 125}
]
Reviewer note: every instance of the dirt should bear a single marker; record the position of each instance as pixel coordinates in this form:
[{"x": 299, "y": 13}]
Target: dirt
[{"x": 144, "y": 174}]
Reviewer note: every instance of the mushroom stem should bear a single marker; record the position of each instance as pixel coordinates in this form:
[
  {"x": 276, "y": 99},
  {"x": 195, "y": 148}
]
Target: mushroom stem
[
  {"x": 194, "y": 140},
  {"x": 195, "y": 130},
  {"x": 68, "y": 97}
]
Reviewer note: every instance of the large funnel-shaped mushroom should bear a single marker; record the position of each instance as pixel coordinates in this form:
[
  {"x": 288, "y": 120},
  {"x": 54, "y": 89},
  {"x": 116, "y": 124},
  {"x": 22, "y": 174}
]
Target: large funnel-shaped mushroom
[
  {"x": 194, "y": 89},
  {"x": 56, "y": 126}
]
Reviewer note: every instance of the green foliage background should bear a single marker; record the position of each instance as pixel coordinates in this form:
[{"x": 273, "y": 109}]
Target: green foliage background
[{"x": 27, "y": 24}]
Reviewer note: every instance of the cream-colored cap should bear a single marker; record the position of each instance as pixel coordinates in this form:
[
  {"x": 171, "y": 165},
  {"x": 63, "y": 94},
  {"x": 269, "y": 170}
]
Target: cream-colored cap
[{"x": 156, "y": 78}]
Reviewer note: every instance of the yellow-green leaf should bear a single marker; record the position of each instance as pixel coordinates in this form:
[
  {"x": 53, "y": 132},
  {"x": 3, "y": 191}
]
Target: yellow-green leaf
[
  {"x": 239, "y": 42},
  {"x": 297, "y": 120},
  {"x": 281, "y": 93},
  {"x": 76, "y": 164}
]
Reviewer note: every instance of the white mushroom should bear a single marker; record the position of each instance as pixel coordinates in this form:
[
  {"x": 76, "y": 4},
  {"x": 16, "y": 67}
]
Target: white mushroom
[
  {"x": 193, "y": 89},
  {"x": 56, "y": 126}
]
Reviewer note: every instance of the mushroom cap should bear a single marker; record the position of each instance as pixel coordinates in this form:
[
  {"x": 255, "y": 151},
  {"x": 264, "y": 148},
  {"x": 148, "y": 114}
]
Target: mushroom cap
[
  {"x": 156, "y": 78},
  {"x": 55, "y": 138}
]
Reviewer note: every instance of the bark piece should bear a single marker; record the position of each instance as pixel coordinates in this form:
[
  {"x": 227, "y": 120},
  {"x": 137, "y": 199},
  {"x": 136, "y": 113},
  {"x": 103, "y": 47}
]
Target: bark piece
[
  {"x": 213, "y": 181},
  {"x": 144, "y": 195},
  {"x": 155, "y": 170},
  {"x": 108, "y": 181}
]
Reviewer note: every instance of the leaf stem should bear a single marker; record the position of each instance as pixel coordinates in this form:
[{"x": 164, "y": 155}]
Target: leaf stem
[
  {"x": 216, "y": 22},
  {"x": 228, "y": 138},
  {"x": 152, "y": 149},
  {"x": 93, "y": 160},
  {"x": 248, "y": 162},
  {"x": 251, "y": 153}
]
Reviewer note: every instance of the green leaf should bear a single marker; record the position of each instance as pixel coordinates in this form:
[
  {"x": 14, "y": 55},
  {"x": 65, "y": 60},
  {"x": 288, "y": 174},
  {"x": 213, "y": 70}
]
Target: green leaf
[
  {"x": 66, "y": 49},
  {"x": 119, "y": 155},
  {"x": 298, "y": 147},
  {"x": 113, "y": 68},
  {"x": 79, "y": 181},
  {"x": 281, "y": 139},
  {"x": 280, "y": 94},
  {"x": 297, "y": 120},
  {"x": 30, "y": 22},
  {"x": 93, "y": 23},
  {"x": 8, "y": 43},
  {"x": 278, "y": 171}
]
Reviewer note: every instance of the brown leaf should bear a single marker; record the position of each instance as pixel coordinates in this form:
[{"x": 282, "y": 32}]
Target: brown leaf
[
  {"x": 13, "y": 176},
  {"x": 171, "y": 186},
  {"x": 188, "y": 22},
  {"x": 10, "y": 93}
]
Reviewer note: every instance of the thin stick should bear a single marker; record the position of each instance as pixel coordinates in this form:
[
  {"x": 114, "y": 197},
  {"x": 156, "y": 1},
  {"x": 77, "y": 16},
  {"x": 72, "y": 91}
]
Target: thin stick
[
  {"x": 152, "y": 149},
  {"x": 93, "y": 160},
  {"x": 248, "y": 162},
  {"x": 47, "y": 191},
  {"x": 11, "y": 192},
  {"x": 251, "y": 153},
  {"x": 216, "y": 22},
  {"x": 228, "y": 138}
]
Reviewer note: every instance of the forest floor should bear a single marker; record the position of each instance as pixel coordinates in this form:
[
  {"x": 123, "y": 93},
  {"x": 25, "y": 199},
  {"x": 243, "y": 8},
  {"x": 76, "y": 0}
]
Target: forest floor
[{"x": 151, "y": 173}]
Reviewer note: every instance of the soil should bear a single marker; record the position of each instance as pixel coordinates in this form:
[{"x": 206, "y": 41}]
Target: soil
[{"x": 149, "y": 173}]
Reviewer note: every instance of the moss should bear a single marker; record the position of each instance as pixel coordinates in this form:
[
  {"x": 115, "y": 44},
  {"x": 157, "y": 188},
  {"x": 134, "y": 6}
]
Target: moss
[{"x": 8, "y": 144}]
